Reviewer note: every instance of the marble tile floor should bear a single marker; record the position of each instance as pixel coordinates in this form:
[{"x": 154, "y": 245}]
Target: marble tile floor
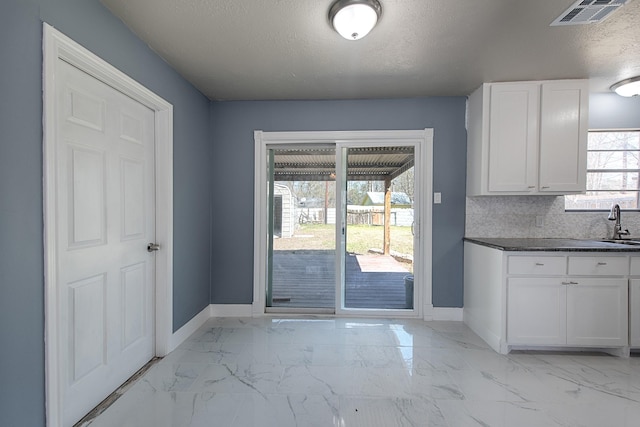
[{"x": 371, "y": 372}]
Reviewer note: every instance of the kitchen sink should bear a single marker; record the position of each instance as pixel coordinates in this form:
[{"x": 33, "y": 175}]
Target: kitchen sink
[{"x": 623, "y": 241}]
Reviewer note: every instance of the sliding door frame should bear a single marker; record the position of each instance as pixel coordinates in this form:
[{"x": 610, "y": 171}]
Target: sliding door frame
[{"x": 421, "y": 139}]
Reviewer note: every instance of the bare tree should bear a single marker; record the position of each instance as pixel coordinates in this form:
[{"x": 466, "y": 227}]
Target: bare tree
[{"x": 404, "y": 183}]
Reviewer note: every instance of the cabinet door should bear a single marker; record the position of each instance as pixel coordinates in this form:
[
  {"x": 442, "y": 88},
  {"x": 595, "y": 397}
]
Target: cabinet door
[
  {"x": 536, "y": 311},
  {"x": 513, "y": 137},
  {"x": 563, "y": 136},
  {"x": 634, "y": 312},
  {"x": 597, "y": 312}
]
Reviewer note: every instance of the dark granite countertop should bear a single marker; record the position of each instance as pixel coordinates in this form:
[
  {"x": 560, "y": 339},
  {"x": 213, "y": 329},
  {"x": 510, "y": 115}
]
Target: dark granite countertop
[{"x": 552, "y": 245}]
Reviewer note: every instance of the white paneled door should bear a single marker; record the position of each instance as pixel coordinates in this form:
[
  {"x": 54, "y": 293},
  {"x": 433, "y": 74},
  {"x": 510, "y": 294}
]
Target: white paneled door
[{"x": 106, "y": 217}]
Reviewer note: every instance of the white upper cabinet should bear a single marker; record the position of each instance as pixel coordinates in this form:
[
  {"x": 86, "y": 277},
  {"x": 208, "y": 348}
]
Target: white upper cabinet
[
  {"x": 513, "y": 132},
  {"x": 527, "y": 138},
  {"x": 563, "y": 136}
]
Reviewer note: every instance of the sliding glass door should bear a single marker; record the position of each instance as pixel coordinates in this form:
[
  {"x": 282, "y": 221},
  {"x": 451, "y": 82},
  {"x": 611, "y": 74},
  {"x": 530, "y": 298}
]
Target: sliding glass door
[
  {"x": 342, "y": 224},
  {"x": 302, "y": 220},
  {"x": 378, "y": 219}
]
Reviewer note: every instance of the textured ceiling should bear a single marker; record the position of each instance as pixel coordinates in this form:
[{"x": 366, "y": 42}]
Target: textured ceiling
[{"x": 286, "y": 49}]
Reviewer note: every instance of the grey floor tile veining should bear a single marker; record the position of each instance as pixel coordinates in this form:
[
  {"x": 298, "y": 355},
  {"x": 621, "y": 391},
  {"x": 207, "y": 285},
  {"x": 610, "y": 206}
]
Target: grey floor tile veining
[{"x": 371, "y": 372}]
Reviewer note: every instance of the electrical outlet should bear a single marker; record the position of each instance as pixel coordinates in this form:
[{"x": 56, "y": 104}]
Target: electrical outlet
[
  {"x": 539, "y": 221},
  {"x": 437, "y": 198}
]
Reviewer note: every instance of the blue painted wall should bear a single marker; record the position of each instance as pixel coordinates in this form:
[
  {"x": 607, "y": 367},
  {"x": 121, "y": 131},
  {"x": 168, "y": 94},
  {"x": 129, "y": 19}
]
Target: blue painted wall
[
  {"x": 233, "y": 124},
  {"x": 21, "y": 225}
]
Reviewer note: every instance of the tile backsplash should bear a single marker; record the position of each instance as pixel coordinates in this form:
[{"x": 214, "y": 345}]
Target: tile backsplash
[{"x": 539, "y": 217}]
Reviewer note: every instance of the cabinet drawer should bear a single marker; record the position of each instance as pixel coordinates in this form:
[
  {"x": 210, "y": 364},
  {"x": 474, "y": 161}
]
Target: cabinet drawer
[
  {"x": 537, "y": 265},
  {"x": 635, "y": 266},
  {"x": 598, "y": 266}
]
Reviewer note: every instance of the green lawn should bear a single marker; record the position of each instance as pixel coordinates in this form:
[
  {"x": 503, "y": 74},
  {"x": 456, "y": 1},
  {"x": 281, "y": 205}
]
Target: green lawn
[{"x": 360, "y": 238}]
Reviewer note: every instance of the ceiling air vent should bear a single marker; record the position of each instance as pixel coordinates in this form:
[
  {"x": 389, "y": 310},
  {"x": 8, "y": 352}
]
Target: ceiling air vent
[{"x": 588, "y": 12}]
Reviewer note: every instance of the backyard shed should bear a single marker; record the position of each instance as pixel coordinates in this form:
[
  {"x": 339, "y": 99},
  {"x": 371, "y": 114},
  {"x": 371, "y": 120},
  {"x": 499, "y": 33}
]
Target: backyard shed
[{"x": 283, "y": 215}]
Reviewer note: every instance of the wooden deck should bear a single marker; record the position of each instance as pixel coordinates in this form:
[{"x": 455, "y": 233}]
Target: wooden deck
[{"x": 307, "y": 279}]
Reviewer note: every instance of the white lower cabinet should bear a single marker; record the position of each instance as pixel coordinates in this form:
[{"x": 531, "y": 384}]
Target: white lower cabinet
[
  {"x": 572, "y": 311},
  {"x": 520, "y": 300},
  {"x": 634, "y": 313},
  {"x": 536, "y": 311},
  {"x": 597, "y": 312},
  {"x": 634, "y": 303}
]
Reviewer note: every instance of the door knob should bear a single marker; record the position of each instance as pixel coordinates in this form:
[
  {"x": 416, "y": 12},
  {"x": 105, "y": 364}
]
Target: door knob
[{"x": 152, "y": 247}]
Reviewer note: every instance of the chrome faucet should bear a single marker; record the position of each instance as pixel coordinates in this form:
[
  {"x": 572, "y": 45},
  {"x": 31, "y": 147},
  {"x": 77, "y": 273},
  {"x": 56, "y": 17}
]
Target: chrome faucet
[{"x": 614, "y": 215}]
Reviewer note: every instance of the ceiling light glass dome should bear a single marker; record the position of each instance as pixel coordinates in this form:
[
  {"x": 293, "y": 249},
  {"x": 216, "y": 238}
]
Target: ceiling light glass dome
[
  {"x": 628, "y": 87},
  {"x": 354, "y": 19}
]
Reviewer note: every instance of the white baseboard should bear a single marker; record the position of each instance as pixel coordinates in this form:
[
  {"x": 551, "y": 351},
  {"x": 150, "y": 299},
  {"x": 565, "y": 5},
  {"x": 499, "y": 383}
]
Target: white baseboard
[
  {"x": 246, "y": 310},
  {"x": 212, "y": 310},
  {"x": 231, "y": 310},
  {"x": 483, "y": 332},
  {"x": 447, "y": 314},
  {"x": 427, "y": 312},
  {"x": 189, "y": 328}
]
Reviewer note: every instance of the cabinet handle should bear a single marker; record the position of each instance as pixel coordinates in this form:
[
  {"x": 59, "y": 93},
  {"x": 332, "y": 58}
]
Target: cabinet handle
[
  {"x": 569, "y": 283},
  {"x": 539, "y": 263},
  {"x": 602, "y": 263},
  {"x": 531, "y": 186},
  {"x": 544, "y": 186}
]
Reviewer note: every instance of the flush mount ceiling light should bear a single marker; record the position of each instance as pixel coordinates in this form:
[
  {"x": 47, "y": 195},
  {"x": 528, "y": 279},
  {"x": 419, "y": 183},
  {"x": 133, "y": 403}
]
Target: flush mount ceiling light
[
  {"x": 353, "y": 19},
  {"x": 628, "y": 87}
]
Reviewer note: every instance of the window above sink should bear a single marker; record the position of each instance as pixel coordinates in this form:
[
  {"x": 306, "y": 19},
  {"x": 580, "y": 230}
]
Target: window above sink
[{"x": 613, "y": 172}]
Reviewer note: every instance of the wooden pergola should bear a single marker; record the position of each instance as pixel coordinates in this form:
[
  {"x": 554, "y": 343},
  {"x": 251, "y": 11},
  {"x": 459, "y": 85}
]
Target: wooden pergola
[{"x": 363, "y": 164}]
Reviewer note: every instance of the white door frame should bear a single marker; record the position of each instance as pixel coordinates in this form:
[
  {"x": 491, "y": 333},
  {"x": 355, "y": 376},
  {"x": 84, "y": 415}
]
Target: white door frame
[
  {"x": 57, "y": 46},
  {"x": 423, "y": 190}
]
